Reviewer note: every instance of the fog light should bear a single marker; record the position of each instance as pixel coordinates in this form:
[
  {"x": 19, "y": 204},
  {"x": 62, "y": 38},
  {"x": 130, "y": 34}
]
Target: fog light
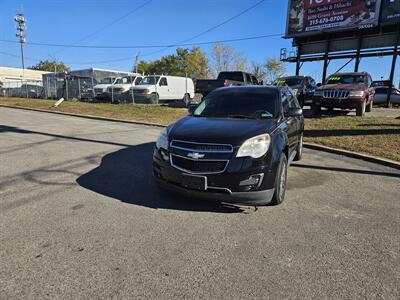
[
  {"x": 254, "y": 181},
  {"x": 164, "y": 155}
]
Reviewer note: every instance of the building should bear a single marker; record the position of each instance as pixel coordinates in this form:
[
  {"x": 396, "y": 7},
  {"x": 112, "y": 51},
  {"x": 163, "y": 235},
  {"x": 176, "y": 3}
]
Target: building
[{"x": 15, "y": 77}]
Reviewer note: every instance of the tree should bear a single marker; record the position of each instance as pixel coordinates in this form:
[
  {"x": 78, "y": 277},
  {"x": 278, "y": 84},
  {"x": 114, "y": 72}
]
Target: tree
[
  {"x": 226, "y": 58},
  {"x": 258, "y": 70},
  {"x": 50, "y": 66},
  {"x": 274, "y": 69},
  {"x": 192, "y": 62}
]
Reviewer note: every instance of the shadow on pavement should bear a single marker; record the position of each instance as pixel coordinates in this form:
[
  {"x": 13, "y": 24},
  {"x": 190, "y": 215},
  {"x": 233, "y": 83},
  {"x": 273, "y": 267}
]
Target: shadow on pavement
[
  {"x": 126, "y": 175},
  {"x": 4, "y": 128}
]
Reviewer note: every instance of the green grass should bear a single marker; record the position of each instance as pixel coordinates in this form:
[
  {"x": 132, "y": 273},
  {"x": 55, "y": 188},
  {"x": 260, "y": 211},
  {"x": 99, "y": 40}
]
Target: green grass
[{"x": 375, "y": 135}]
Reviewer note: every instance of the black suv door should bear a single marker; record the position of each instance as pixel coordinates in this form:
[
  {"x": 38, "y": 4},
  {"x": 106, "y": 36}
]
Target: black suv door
[{"x": 294, "y": 124}]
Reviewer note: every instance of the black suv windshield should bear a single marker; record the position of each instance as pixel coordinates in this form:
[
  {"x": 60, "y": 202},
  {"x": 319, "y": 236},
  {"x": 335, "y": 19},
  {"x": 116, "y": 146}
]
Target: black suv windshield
[
  {"x": 345, "y": 79},
  {"x": 235, "y": 76},
  {"x": 289, "y": 81},
  {"x": 240, "y": 104}
]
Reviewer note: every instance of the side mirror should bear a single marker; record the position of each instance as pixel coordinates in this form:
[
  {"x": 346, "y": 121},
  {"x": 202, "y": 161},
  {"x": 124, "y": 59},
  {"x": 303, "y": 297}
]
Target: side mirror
[
  {"x": 192, "y": 108},
  {"x": 319, "y": 84},
  {"x": 294, "y": 112}
]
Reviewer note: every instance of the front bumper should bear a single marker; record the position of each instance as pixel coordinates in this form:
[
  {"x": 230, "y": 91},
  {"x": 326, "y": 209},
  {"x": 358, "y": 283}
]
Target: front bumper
[
  {"x": 103, "y": 95},
  {"x": 222, "y": 187},
  {"x": 347, "y": 103}
]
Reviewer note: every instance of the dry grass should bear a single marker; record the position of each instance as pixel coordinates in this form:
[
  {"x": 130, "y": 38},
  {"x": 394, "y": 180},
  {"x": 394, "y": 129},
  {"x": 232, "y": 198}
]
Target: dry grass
[
  {"x": 379, "y": 136},
  {"x": 157, "y": 114}
]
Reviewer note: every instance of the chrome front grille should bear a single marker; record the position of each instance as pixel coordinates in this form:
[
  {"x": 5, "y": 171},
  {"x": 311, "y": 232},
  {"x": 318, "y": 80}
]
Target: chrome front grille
[
  {"x": 200, "y": 158},
  {"x": 336, "y": 94}
]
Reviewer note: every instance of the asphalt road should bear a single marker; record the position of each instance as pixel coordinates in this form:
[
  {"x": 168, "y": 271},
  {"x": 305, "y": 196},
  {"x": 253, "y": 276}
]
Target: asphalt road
[{"x": 80, "y": 218}]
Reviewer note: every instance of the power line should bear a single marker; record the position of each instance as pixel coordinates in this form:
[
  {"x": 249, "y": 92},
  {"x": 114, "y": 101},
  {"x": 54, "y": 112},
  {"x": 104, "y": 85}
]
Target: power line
[
  {"x": 144, "y": 46},
  {"x": 189, "y": 44}
]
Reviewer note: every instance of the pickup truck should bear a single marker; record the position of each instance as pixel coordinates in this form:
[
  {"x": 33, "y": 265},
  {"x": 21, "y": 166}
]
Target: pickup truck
[{"x": 225, "y": 79}]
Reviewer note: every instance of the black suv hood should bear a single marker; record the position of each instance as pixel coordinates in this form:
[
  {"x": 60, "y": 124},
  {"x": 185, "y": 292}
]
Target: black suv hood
[{"x": 219, "y": 131}]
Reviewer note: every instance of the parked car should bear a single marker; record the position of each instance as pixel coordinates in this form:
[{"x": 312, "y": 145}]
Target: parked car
[
  {"x": 345, "y": 91},
  {"x": 100, "y": 89},
  {"x": 225, "y": 79},
  {"x": 118, "y": 91},
  {"x": 153, "y": 89},
  {"x": 235, "y": 146},
  {"x": 302, "y": 86},
  {"x": 380, "y": 96}
]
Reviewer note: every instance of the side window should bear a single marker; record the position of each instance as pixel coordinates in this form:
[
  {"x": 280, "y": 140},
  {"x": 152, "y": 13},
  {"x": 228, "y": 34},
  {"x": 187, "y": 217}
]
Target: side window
[
  {"x": 248, "y": 78},
  {"x": 285, "y": 102},
  {"x": 292, "y": 100},
  {"x": 254, "y": 80},
  {"x": 163, "y": 82},
  {"x": 138, "y": 80}
]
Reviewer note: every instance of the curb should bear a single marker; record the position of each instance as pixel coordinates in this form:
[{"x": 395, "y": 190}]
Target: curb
[
  {"x": 84, "y": 116},
  {"x": 356, "y": 155}
]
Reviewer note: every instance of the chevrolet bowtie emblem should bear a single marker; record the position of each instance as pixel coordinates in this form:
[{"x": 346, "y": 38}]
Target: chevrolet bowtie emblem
[{"x": 196, "y": 155}]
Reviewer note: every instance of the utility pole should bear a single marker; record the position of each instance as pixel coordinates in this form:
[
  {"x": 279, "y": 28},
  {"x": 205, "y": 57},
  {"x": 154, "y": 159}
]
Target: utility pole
[
  {"x": 136, "y": 62},
  {"x": 21, "y": 27}
]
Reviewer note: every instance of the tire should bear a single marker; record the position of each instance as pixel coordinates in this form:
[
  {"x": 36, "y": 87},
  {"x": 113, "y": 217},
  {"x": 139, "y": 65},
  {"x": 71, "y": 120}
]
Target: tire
[
  {"x": 280, "y": 182},
  {"x": 299, "y": 150},
  {"x": 301, "y": 101},
  {"x": 360, "y": 110},
  {"x": 153, "y": 99},
  {"x": 316, "y": 109},
  {"x": 186, "y": 100},
  {"x": 369, "y": 106}
]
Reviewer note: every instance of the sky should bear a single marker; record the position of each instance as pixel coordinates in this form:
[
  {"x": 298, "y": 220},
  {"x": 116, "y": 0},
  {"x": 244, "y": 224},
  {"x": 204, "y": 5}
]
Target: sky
[{"x": 156, "y": 22}]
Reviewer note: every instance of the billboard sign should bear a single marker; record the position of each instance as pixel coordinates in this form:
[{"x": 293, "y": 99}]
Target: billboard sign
[
  {"x": 306, "y": 17},
  {"x": 390, "y": 11}
]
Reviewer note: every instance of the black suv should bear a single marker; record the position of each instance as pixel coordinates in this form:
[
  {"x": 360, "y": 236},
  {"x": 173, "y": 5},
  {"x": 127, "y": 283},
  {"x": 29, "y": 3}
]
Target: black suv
[
  {"x": 235, "y": 146},
  {"x": 303, "y": 87}
]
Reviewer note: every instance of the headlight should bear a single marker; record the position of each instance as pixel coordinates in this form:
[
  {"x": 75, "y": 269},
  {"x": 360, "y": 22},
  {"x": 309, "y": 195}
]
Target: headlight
[
  {"x": 319, "y": 93},
  {"x": 255, "y": 147},
  {"x": 147, "y": 91},
  {"x": 357, "y": 94},
  {"x": 162, "y": 141}
]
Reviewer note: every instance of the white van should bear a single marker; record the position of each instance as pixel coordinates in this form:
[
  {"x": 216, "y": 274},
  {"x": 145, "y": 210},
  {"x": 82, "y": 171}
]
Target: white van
[
  {"x": 153, "y": 89},
  {"x": 123, "y": 84},
  {"x": 120, "y": 90},
  {"x": 100, "y": 89}
]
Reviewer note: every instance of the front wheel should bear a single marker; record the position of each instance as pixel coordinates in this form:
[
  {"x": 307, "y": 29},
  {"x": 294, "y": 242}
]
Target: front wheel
[
  {"x": 280, "y": 182},
  {"x": 360, "y": 110},
  {"x": 153, "y": 99},
  {"x": 186, "y": 100},
  {"x": 369, "y": 106},
  {"x": 316, "y": 109}
]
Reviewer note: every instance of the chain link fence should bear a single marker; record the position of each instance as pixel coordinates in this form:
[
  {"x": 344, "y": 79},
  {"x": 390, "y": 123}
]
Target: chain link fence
[{"x": 22, "y": 89}]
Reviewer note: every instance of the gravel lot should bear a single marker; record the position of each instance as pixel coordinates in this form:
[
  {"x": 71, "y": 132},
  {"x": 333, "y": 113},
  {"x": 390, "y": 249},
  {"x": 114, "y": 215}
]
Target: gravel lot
[{"x": 81, "y": 218}]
